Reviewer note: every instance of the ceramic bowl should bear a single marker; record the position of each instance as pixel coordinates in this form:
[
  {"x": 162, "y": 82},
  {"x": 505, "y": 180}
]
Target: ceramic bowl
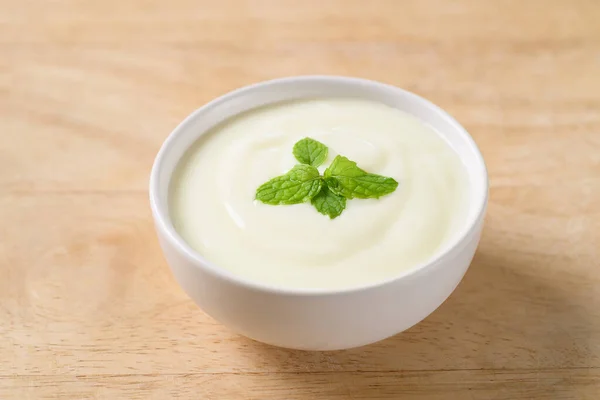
[{"x": 318, "y": 319}]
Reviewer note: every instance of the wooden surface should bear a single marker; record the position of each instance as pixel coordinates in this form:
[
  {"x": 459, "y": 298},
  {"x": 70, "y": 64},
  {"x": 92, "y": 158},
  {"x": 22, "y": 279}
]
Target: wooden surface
[{"x": 89, "y": 90}]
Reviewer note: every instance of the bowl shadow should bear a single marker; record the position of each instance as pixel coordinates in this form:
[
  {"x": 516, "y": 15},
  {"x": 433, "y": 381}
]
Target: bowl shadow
[{"x": 505, "y": 315}]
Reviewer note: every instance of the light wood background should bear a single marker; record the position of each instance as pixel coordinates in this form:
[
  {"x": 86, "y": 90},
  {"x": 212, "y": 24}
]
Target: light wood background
[{"x": 89, "y": 90}]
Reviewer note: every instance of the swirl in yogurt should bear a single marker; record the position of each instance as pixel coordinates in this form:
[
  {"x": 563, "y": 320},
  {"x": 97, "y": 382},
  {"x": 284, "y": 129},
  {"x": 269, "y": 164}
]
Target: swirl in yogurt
[{"x": 213, "y": 208}]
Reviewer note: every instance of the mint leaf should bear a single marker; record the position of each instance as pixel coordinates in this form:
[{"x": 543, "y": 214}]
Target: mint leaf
[
  {"x": 343, "y": 177},
  {"x": 309, "y": 151},
  {"x": 298, "y": 185},
  {"x": 328, "y": 203}
]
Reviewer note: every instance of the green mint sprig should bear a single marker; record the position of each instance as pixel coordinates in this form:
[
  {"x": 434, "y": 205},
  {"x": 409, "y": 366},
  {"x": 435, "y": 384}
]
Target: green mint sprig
[{"x": 343, "y": 180}]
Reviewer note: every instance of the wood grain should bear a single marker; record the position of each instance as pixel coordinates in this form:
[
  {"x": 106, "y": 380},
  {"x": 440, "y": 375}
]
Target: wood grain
[
  {"x": 89, "y": 90},
  {"x": 439, "y": 385}
]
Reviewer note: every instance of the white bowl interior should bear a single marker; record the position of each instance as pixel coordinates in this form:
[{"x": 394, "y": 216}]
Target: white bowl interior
[{"x": 247, "y": 98}]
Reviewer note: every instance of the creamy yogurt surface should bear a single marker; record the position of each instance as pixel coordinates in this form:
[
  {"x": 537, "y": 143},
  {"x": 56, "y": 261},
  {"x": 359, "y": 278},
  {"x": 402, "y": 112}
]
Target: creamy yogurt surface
[{"x": 213, "y": 207}]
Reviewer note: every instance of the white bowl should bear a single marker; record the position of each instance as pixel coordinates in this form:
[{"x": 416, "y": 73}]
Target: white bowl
[{"x": 318, "y": 319}]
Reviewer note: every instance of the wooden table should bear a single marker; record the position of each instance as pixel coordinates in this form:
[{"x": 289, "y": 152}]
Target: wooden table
[{"x": 90, "y": 89}]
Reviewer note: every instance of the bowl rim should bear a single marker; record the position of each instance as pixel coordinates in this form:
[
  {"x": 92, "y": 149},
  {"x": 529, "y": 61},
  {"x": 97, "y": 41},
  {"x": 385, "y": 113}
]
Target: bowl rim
[{"x": 164, "y": 224}]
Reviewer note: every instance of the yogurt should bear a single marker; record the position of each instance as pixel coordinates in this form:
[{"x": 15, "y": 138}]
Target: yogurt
[{"x": 213, "y": 207}]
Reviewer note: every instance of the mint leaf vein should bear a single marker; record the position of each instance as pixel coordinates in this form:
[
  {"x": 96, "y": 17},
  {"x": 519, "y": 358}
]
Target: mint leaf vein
[
  {"x": 298, "y": 185},
  {"x": 328, "y": 203},
  {"x": 309, "y": 151},
  {"x": 346, "y": 179}
]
